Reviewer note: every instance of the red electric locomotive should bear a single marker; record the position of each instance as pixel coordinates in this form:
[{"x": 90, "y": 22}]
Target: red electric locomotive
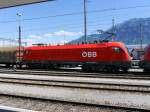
[
  {"x": 145, "y": 62},
  {"x": 101, "y": 56}
]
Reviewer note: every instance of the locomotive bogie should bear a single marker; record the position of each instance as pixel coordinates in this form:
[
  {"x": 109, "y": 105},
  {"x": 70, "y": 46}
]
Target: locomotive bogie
[{"x": 107, "y": 66}]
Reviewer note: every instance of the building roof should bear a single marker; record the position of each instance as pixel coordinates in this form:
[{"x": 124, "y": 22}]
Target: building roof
[{"x": 14, "y": 3}]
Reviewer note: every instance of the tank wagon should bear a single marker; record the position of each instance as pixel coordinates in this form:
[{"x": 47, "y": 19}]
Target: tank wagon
[
  {"x": 145, "y": 61},
  {"x": 106, "y": 56},
  {"x": 8, "y": 55}
]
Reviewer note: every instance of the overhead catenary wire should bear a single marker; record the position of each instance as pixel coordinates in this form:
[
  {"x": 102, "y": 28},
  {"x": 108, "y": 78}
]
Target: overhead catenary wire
[
  {"x": 76, "y": 13},
  {"x": 47, "y": 28},
  {"x": 72, "y": 25}
]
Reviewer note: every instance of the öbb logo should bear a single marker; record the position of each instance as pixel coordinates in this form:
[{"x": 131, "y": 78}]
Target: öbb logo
[{"x": 89, "y": 54}]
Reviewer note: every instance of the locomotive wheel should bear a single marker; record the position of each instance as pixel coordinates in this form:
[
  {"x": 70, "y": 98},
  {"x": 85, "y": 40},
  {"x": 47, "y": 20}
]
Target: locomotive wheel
[
  {"x": 109, "y": 69},
  {"x": 92, "y": 68},
  {"x": 86, "y": 68},
  {"x": 146, "y": 70},
  {"x": 7, "y": 65},
  {"x": 115, "y": 69},
  {"x": 125, "y": 70},
  {"x": 112, "y": 69},
  {"x": 20, "y": 65}
]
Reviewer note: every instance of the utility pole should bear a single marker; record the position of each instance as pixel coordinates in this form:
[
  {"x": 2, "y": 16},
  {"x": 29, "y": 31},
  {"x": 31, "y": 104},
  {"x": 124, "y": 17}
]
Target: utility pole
[
  {"x": 113, "y": 28},
  {"x": 64, "y": 38},
  {"x": 19, "y": 38},
  {"x": 141, "y": 36},
  {"x": 113, "y": 24},
  {"x": 85, "y": 20}
]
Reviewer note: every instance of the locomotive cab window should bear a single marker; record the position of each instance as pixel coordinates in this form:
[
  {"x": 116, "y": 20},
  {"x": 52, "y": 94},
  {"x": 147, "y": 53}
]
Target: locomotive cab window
[{"x": 117, "y": 49}]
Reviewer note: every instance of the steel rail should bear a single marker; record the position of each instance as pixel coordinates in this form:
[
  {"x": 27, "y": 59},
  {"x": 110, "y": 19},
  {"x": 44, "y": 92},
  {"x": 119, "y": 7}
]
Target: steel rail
[
  {"x": 76, "y": 84},
  {"x": 80, "y": 74},
  {"x": 29, "y": 95},
  {"x": 45, "y": 102}
]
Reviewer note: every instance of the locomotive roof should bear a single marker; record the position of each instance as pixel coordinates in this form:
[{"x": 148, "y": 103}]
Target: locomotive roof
[{"x": 119, "y": 44}]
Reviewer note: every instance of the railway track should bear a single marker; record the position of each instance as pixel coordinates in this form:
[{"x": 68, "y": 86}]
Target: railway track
[
  {"x": 131, "y": 91},
  {"x": 107, "y": 97},
  {"x": 131, "y": 75},
  {"x": 96, "y": 91},
  {"x": 40, "y": 105},
  {"x": 78, "y": 82},
  {"x": 84, "y": 85}
]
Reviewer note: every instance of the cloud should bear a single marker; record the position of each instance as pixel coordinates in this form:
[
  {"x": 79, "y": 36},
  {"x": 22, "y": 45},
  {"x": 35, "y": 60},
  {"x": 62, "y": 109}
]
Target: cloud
[
  {"x": 35, "y": 36},
  {"x": 63, "y": 42},
  {"x": 60, "y": 33},
  {"x": 61, "y": 36},
  {"x": 63, "y": 33},
  {"x": 29, "y": 41}
]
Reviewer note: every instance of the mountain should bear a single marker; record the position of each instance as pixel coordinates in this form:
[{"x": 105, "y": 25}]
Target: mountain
[{"x": 127, "y": 32}]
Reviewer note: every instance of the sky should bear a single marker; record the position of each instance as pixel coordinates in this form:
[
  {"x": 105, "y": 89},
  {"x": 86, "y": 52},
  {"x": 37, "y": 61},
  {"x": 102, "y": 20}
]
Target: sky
[{"x": 61, "y": 21}]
